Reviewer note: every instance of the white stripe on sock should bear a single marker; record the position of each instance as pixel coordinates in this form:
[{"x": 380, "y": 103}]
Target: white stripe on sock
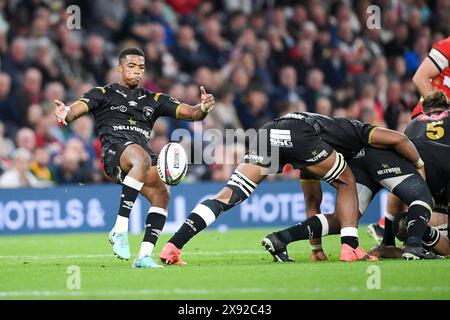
[
  {"x": 205, "y": 213},
  {"x": 133, "y": 183},
  {"x": 421, "y": 203},
  {"x": 146, "y": 249},
  {"x": 389, "y": 216},
  {"x": 158, "y": 210},
  {"x": 324, "y": 222},
  {"x": 349, "y": 232},
  {"x": 121, "y": 224}
]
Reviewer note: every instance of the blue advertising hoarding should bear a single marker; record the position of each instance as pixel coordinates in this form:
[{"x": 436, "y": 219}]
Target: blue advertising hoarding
[{"x": 93, "y": 208}]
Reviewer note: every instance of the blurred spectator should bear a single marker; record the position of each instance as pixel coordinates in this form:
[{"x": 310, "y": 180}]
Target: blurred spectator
[
  {"x": 212, "y": 44},
  {"x": 15, "y": 62},
  {"x": 288, "y": 90},
  {"x": 8, "y": 113},
  {"x": 73, "y": 165},
  {"x": 19, "y": 176},
  {"x": 95, "y": 60},
  {"x": 187, "y": 51},
  {"x": 109, "y": 15},
  {"x": 40, "y": 166},
  {"x": 395, "y": 105},
  {"x": 323, "y": 106},
  {"x": 224, "y": 115},
  {"x": 315, "y": 88},
  {"x": 334, "y": 68},
  {"x": 83, "y": 130},
  {"x": 253, "y": 108},
  {"x": 52, "y": 91},
  {"x": 28, "y": 94},
  {"x": 25, "y": 139}
]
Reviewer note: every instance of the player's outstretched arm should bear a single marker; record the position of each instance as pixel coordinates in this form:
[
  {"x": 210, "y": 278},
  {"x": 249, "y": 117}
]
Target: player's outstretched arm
[
  {"x": 422, "y": 78},
  {"x": 199, "y": 111},
  {"x": 386, "y": 138},
  {"x": 65, "y": 114}
]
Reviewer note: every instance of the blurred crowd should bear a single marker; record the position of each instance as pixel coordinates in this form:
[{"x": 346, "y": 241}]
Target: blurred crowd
[{"x": 260, "y": 59}]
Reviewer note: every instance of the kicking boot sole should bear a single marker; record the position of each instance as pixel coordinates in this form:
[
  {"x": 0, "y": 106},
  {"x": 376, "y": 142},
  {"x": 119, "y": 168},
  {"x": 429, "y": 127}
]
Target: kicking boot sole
[
  {"x": 268, "y": 245},
  {"x": 120, "y": 258},
  {"x": 410, "y": 256}
]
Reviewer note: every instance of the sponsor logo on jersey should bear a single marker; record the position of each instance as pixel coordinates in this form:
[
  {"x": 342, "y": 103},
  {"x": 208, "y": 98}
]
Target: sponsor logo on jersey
[
  {"x": 132, "y": 128},
  {"x": 388, "y": 170},
  {"x": 317, "y": 155},
  {"x": 281, "y": 138},
  {"x": 147, "y": 112},
  {"x": 254, "y": 157},
  {"x": 141, "y": 97},
  {"x": 360, "y": 154},
  {"x": 132, "y": 103},
  {"x": 121, "y": 108}
]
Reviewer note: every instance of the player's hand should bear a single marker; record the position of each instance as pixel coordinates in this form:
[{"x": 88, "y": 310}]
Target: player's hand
[
  {"x": 387, "y": 252},
  {"x": 60, "y": 112},
  {"x": 207, "y": 100},
  {"x": 318, "y": 255}
]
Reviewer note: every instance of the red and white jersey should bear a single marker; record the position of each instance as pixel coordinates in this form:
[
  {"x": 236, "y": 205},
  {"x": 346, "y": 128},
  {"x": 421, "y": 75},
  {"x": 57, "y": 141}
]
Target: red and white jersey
[{"x": 440, "y": 56}]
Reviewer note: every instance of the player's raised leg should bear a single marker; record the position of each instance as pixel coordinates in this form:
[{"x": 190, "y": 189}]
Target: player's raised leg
[
  {"x": 241, "y": 185},
  {"x": 135, "y": 162},
  {"x": 158, "y": 195}
]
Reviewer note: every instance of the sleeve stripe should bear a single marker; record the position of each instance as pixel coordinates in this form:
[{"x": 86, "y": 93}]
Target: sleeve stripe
[
  {"x": 156, "y": 97},
  {"x": 369, "y": 140},
  {"x": 438, "y": 58},
  {"x": 85, "y": 105},
  {"x": 435, "y": 63},
  {"x": 102, "y": 89},
  {"x": 178, "y": 110}
]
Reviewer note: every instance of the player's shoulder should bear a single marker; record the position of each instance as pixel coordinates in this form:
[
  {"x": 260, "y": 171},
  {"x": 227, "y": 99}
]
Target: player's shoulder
[
  {"x": 443, "y": 46},
  {"x": 441, "y": 116},
  {"x": 151, "y": 94},
  {"x": 440, "y": 54},
  {"x": 102, "y": 89}
]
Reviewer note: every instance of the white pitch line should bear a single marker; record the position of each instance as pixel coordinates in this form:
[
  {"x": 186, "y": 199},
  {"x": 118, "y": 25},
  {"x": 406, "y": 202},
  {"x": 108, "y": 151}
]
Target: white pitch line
[
  {"x": 80, "y": 293},
  {"x": 77, "y": 256}
]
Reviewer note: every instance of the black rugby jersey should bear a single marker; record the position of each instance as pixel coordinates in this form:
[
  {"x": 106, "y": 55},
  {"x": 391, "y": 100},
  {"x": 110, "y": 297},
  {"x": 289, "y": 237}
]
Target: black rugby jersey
[
  {"x": 121, "y": 113},
  {"x": 434, "y": 127},
  {"x": 344, "y": 135},
  {"x": 437, "y": 169}
]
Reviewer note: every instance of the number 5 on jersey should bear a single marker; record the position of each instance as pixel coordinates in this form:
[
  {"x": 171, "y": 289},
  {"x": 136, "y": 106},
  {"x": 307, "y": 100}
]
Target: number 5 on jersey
[{"x": 434, "y": 132}]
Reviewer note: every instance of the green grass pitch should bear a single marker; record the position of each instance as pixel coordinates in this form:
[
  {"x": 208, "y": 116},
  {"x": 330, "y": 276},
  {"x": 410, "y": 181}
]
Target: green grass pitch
[{"x": 230, "y": 265}]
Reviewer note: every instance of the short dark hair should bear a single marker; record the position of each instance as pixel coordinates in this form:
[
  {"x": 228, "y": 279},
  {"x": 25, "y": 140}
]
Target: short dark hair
[
  {"x": 127, "y": 51},
  {"x": 436, "y": 100}
]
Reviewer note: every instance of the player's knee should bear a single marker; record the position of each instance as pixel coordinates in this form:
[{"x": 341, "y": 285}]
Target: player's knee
[
  {"x": 240, "y": 188},
  {"x": 142, "y": 167},
  {"x": 419, "y": 194},
  {"x": 163, "y": 193}
]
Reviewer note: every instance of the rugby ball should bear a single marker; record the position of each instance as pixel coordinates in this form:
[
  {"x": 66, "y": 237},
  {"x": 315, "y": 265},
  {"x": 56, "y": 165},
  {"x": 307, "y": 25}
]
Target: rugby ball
[{"x": 172, "y": 164}]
